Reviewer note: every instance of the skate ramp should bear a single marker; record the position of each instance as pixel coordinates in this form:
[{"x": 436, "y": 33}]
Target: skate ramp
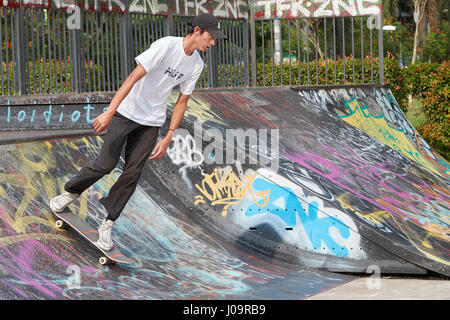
[
  {"x": 177, "y": 257},
  {"x": 330, "y": 197},
  {"x": 334, "y": 197}
]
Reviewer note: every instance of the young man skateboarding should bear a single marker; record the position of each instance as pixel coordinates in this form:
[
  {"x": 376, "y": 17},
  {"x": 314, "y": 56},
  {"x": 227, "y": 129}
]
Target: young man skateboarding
[{"x": 136, "y": 113}]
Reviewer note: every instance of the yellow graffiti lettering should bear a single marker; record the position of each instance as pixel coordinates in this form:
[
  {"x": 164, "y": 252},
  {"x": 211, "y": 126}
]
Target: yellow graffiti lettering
[
  {"x": 31, "y": 182},
  {"x": 223, "y": 187},
  {"x": 199, "y": 109},
  {"x": 376, "y": 217},
  {"x": 377, "y": 127},
  {"x": 383, "y": 217}
]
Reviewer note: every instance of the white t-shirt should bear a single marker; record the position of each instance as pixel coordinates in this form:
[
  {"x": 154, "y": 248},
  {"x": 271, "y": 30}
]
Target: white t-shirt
[{"x": 167, "y": 65}]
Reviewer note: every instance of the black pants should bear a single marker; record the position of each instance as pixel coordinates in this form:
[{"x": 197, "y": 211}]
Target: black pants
[{"x": 139, "y": 141}]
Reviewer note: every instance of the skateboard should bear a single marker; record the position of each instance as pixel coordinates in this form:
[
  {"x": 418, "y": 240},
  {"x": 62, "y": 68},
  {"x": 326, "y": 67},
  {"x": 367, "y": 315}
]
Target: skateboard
[{"x": 67, "y": 217}]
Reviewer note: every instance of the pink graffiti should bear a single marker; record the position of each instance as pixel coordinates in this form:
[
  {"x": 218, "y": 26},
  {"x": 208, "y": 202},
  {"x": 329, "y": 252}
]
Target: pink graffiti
[
  {"x": 20, "y": 267},
  {"x": 20, "y": 260},
  {"x": 18, "y": 264},
  {"x": 379, "y": 185}
]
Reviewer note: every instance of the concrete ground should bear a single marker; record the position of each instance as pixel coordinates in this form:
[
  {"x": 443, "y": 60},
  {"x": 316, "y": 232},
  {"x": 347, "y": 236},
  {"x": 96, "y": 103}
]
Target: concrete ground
[{"x": 389, "y": 288}]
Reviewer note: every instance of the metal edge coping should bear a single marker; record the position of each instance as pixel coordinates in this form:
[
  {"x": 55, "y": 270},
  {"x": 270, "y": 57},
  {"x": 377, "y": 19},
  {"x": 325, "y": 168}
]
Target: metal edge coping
[
  {"x": 41, "y": 135},
  {"x": 106, "y": 97}
]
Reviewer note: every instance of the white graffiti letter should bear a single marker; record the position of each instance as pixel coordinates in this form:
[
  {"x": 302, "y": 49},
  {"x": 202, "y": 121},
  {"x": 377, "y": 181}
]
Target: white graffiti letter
[
  {"x": 117, "y": 2},
  {"x": 267, "y": 5},
  {"x": 187, "y": 5},
  {"x": 374, "y": 22},
  {"x": 350, "y": 7},
  {"x": 322, "y": 11},
  {"x": 281, "y": 7},
  {"x": 242, "y": 9},
  {"x": 134, "y": 7},
  {"x": 184, "y": 150},
  {"x": 218, "y": 11},
  {"x": 199, "y": 7}
]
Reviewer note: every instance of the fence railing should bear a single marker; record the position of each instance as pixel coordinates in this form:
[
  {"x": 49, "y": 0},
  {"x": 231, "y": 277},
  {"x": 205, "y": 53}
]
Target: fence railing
[
  {"x": 310, "y": 51},
  {"x": 49, "y": 49}
]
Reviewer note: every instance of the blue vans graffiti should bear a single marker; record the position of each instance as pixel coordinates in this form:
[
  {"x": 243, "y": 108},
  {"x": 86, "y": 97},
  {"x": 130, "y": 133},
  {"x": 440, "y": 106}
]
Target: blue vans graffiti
[{"x": 284, "y": 204}]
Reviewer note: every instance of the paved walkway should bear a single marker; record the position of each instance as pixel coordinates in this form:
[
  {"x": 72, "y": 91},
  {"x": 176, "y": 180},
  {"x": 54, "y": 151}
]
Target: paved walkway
[{"x": 388, "y": 288}]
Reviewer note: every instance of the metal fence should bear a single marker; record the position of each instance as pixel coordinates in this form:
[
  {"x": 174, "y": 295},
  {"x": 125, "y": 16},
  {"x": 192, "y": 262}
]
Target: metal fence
[
  {"x": 40, "y": 54},
  {"x": 322, "y": 51}
]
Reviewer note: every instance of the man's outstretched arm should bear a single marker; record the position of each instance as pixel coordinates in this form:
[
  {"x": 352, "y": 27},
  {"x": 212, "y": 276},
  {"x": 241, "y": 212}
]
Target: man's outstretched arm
[{"x": 177, "y": 115}]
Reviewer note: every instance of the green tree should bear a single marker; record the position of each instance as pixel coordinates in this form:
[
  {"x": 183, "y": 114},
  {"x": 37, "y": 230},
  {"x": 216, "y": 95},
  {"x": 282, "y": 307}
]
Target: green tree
[{"x": 437, "y": 45}]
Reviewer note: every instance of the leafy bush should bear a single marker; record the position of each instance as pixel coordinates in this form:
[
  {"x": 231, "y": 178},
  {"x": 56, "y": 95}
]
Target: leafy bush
[
  {"x": 395, "y": 76},
  {"x": 437, "y": 45},
  {"x": 431, "y": 84},
  {"x": 320, "y": 72}
]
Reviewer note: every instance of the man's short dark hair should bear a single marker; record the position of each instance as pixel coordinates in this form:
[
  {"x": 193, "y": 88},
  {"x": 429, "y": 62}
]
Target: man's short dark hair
[{"x": 192, "y": 30}]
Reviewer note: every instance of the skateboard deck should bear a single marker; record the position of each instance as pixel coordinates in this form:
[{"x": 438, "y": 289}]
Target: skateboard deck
[{"x": 88, "y": 232}]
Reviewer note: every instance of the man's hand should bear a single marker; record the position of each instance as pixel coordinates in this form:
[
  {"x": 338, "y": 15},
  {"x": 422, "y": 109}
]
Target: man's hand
[
  {"x": 102, "y": 122},
  {"x": 160, "y": 149}
]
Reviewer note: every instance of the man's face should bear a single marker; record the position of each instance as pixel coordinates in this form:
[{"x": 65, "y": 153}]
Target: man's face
[{"x": 204, "y": 40}]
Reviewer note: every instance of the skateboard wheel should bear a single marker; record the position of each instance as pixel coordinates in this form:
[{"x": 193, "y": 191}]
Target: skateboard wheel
[
  {"x": 103, "y": 260},
  {"x": 59, "y": 224}
]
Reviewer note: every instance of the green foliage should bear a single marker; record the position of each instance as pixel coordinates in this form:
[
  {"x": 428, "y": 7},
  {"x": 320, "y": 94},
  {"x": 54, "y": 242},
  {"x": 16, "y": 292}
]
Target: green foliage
[
  {"x": 320, "y": 72},
  {"x": 395, "y": 76},
  {"x": 420, "y": 77},
  {"x": 55, "y": 76},
  {"x": 415, "y": 114},
  {"x": 434, "y": 45},
  {"x": 437, "y": 45},
  {"x": 437, "y": 137},
  {"x": 49, "y": 76},
  {"x": 8, "y": 74},
  {"x": 270, "y": 74},
  {"x": 430, "y": 82}
]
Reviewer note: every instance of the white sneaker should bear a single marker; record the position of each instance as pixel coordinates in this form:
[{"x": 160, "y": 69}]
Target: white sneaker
[
  {"x": 104, "y": 235},
  {"x": 59, "y": 203}
]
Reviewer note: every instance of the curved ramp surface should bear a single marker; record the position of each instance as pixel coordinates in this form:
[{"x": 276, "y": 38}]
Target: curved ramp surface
[
  {"x": 317, "y": 191},
  {"x": 375, "y": 111},
  {"x": 177, "y": 258},
  {"x": 261, "y": 190}
]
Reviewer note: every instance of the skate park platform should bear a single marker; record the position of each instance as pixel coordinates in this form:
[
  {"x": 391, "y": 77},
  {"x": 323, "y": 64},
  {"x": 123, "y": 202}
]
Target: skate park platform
[{"x": 274, "y": 193}]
